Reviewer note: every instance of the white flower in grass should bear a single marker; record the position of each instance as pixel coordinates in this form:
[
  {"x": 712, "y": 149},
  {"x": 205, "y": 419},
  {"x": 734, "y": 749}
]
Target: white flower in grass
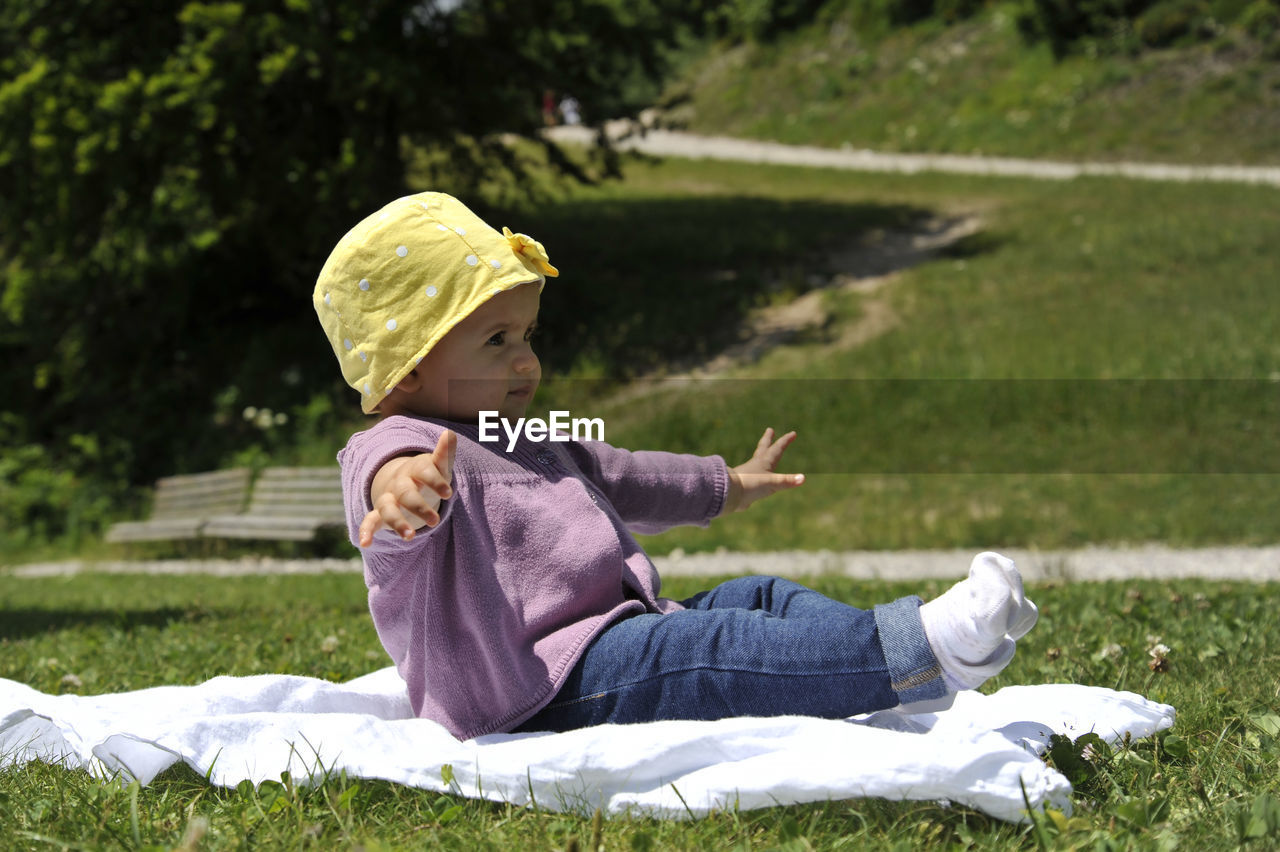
[
  {"x": 1111, "y": 652},
  {"x": 329, "y": 644}
]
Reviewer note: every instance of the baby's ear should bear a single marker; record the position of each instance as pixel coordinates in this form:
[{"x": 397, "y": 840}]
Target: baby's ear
[{"x": 411, "y": 383}]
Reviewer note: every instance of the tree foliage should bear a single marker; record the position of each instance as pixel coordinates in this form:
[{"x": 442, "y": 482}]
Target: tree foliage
[
  {"x": 1130, "y": 25},
  {"x": 173, "y": 173}
]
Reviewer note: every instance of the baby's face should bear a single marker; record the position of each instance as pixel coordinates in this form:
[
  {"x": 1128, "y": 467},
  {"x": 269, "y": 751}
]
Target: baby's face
[{"x": 484, "y": 363}]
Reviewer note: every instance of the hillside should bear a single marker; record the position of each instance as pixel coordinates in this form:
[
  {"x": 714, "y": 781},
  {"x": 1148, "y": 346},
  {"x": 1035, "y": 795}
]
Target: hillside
[{"x": 979, "y": 86}]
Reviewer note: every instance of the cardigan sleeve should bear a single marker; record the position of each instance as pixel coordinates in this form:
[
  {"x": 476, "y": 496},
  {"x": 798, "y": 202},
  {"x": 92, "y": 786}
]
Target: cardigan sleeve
[
  {"x": 361, "y": 459},
  {"x": 654, "y": 491}
]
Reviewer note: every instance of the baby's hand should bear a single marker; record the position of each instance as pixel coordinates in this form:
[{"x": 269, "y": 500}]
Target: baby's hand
[
  {"x": 407, "y": 491},
  {"x": 755, "y": 478}
]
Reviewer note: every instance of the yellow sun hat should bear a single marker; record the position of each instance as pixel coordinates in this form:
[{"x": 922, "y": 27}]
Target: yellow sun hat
[{"x": 404, "y": 276}]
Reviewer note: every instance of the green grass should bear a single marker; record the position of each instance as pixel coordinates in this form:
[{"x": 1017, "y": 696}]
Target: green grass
[
  {"x": 1093, "y": 278},
  {"x": 978, "y": 88},
  {"x": 1090, "y": 280},
  {"x": 1099, "y": 282},
  {"x": 1096, "y": 281},
  {"x": 1198, "y": 786}
]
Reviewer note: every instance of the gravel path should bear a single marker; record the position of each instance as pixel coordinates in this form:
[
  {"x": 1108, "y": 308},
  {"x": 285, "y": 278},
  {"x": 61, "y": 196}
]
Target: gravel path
[
  {"x": 1256, "y": 564},
  {"x": 676, "y": 144}
]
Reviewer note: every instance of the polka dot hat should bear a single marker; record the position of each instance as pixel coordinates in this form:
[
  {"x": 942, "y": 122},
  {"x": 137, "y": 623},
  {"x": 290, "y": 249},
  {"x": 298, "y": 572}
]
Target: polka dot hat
[{"x": 403, "y": 277}]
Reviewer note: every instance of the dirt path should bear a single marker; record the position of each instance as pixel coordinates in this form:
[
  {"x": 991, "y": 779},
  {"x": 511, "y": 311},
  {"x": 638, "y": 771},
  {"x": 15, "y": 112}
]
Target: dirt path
[
  {"x": 868, "y": 265},
  {"x": 672, "y": 143}
]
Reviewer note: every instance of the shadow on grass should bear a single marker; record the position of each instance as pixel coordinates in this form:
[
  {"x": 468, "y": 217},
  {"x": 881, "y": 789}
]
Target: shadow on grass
[
  {"x": 329, "y": 543},
  {"x": 645, "y": 280},
  {"x": 24, "y": 623}
]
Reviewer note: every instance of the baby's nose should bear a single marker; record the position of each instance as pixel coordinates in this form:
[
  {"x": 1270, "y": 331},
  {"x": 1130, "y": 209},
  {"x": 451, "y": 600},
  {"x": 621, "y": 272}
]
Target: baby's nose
[{"x": 526, "y": 362}]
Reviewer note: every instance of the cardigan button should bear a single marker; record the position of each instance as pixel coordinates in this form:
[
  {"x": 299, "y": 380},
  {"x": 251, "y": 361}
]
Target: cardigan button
[{"x": 545, "y": 456}]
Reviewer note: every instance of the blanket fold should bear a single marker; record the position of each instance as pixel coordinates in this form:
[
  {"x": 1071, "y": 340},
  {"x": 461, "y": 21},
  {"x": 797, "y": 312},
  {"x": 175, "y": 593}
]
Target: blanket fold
[{"x": 981, "y": 752}]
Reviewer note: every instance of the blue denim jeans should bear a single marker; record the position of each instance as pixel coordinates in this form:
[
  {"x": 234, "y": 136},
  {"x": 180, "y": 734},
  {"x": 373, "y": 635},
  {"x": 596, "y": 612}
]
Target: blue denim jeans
[{"x": 754, "y": 646}]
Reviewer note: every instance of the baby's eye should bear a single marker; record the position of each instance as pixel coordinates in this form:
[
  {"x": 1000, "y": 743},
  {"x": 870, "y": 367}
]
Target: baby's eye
[
  {"x": 528, "y": 335},
  {"x": 497, "y": 340}
]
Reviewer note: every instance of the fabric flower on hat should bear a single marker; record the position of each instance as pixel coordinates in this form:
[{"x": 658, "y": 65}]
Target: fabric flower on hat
[{"x": 531, "y": 250}]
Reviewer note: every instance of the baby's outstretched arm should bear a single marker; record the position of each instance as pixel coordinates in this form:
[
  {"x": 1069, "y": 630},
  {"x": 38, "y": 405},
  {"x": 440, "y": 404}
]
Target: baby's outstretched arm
[
  {"x": 407, "y": 491},
  {"x": 755, "y": 478}
]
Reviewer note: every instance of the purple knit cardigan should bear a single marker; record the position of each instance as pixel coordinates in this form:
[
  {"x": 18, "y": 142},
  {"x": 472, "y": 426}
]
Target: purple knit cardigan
[{"x": 485, "y": 614}]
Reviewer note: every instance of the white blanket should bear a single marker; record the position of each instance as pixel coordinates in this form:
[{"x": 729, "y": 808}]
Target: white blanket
[{"x": 982, "y": 752}]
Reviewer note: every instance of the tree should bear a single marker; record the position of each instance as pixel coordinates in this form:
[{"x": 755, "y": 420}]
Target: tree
[{"x": 172, "y": 175}]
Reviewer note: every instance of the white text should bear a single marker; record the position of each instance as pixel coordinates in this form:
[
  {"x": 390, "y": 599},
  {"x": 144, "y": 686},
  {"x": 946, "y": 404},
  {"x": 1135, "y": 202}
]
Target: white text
[{"x": 559, "y": 428}]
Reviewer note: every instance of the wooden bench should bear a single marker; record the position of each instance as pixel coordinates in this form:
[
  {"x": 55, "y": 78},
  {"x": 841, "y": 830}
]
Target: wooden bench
[
  {"x": 288, "y": 504},
  {"x": 183, "y": 504}
]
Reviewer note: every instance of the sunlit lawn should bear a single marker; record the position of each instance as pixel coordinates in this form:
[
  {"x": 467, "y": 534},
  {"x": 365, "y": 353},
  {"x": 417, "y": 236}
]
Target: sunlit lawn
[
  {"x": 1206, "y": 784},
  {"x": 1140, "y": 318},
  {"x": 1092, "y": 281}
]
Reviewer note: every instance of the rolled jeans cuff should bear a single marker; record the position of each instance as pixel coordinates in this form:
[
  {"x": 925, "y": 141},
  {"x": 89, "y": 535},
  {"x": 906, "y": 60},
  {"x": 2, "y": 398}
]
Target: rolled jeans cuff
[{"x": 914, "y": 673}]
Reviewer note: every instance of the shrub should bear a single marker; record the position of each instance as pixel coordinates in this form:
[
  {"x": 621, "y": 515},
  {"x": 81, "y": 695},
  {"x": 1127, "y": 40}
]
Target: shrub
[
  {"x": 1064, "y": 23},
  {"x": 1168, "y": 23},
  {"x": 879, "y": 16},
  {"x": 760, "y": 20},
  {"x": 1261, "y": 19},
  {"x": 46, "y": 497},
  {"x": 1118, "y": 25}
]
